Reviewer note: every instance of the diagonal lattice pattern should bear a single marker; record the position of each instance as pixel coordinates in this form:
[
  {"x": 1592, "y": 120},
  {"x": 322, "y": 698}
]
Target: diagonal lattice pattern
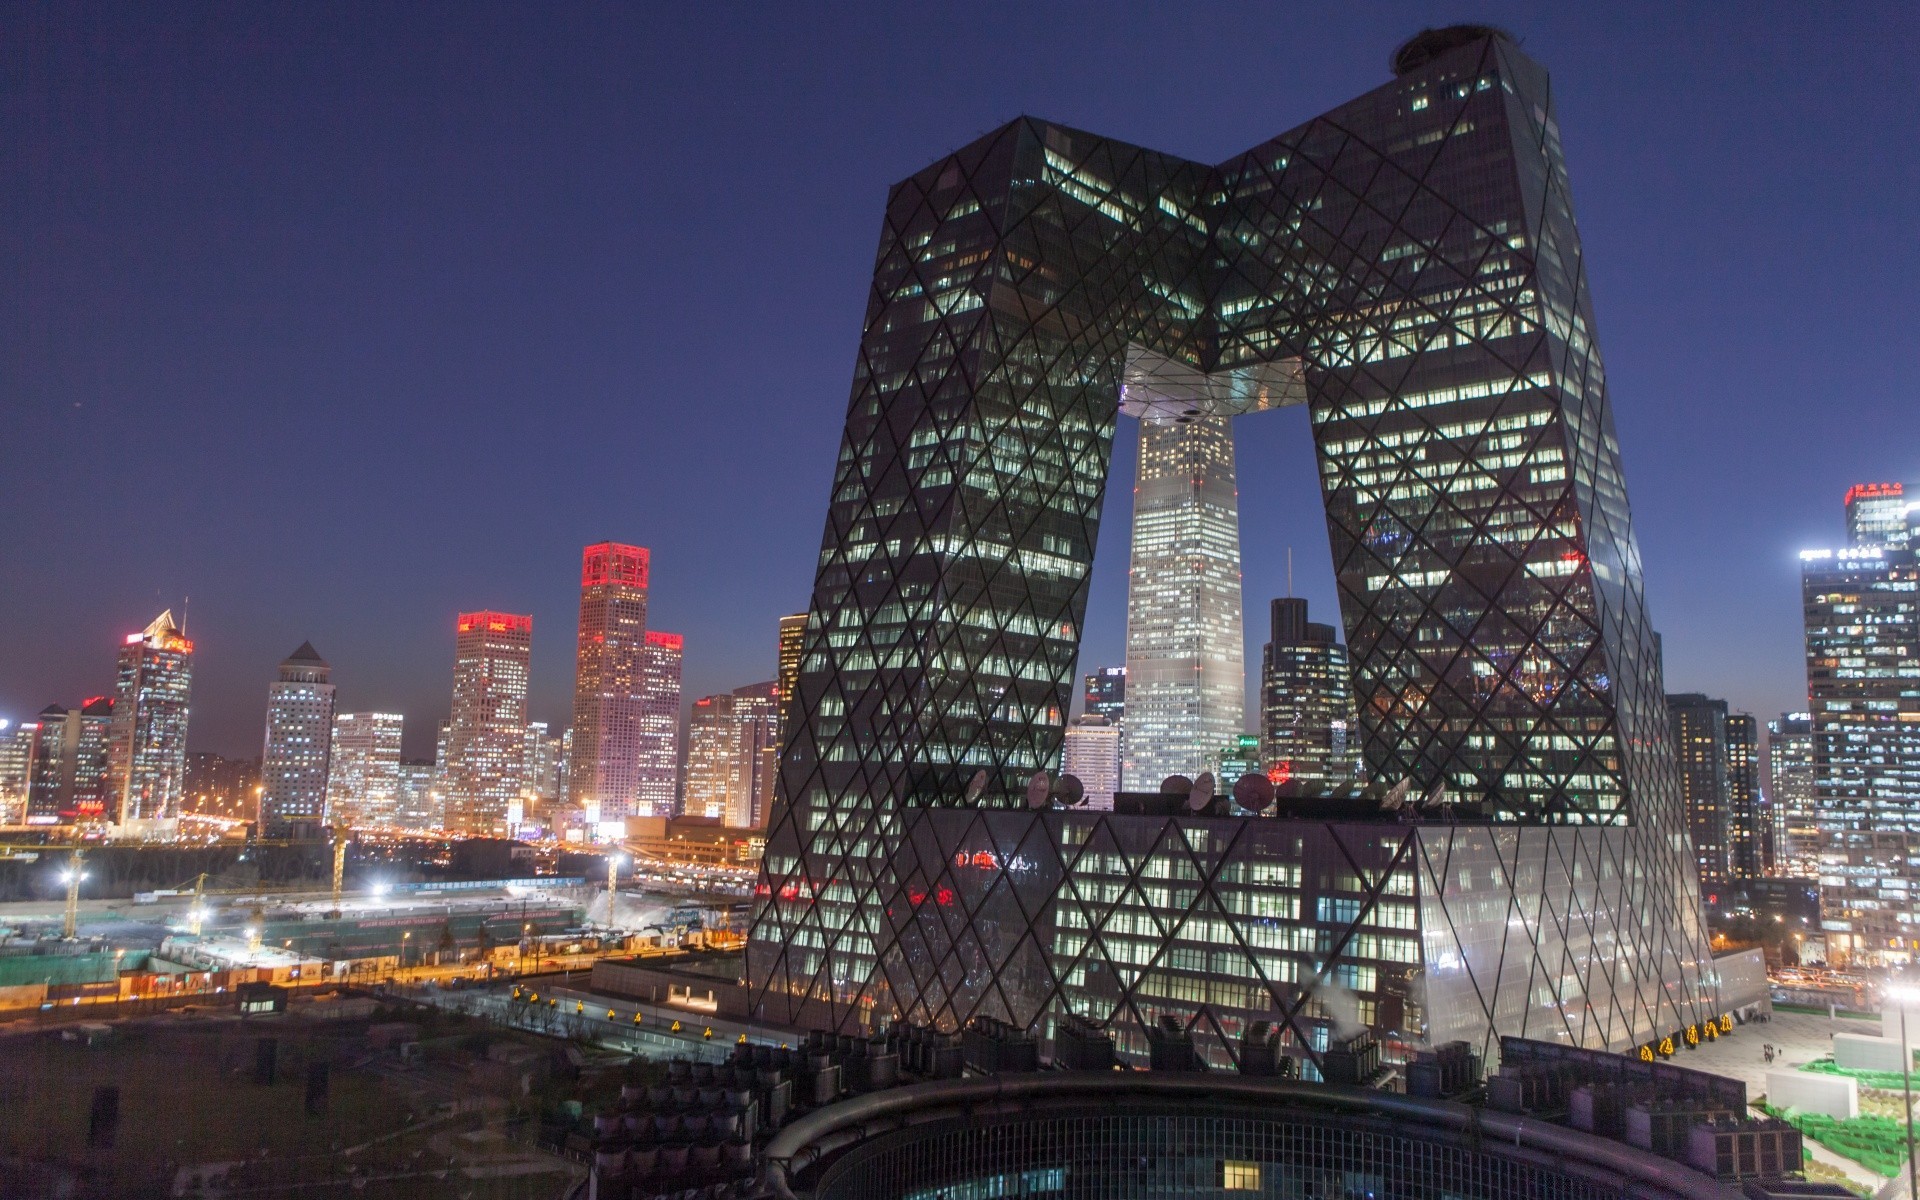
[{"x": 1408, "y": 264}]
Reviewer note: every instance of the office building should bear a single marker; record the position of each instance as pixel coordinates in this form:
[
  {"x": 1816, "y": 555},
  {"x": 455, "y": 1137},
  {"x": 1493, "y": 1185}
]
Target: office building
[
  {"x": 609, "y": 680},
  {"x": 67, "y": 763},
  {"x": 363, "y": 770},
  {"x": 299, "y": 742},
  {"x": 1307, "y": 721},
  {"x": 660, "y": 725},
  {"x": 1790, "y": 791},
  {"x": 1186, "y": 646},
  {"x": 16, "y": 749},
  {"x": 1749, "y": 815},
  {"x": 540, "y": 792},
  {"x": 225, "y": 787},
  {"x": 793, "y": 633},
  {"x": 486, "y": 738},
  {"x": 1698, "y": 727},
  {"x": 1408, "y": 267},
  {"x": 418, "y": 802},
  {"x": 731, "y": 755},
  {"x": 1091, "y": 753},
  {"x": 1862, "y": 605},
  {"x": 1243, "y": 755},
  {"x": 1106, "y": 693},
  {"x": 147, "y": 752}
]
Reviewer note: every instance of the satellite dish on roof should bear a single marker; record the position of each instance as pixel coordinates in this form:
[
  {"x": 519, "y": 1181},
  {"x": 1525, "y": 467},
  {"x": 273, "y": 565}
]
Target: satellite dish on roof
[
  {"x": 976, "y": 785},
  {"x": 1070, "y": 790},
  {"x": 1175, "y": 785},
  {"x": 1039, "y": 790},
  {"x": 1202, "y": 793},
  {"x": 1253, "y": 791}
]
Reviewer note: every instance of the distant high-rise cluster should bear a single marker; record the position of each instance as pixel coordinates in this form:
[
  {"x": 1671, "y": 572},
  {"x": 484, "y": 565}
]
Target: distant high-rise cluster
[
  {"x": 732, "y": 755},
  {"x": 65, "y": 763},
  {"x": 299, "y": 743},
  {"x": 486, "y": 736},
  {"x": 1862, "y": 605}
]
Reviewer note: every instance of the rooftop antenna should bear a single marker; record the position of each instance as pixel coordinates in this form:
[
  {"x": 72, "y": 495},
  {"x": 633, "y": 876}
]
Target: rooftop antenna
[{"x": 186, "y": 600}]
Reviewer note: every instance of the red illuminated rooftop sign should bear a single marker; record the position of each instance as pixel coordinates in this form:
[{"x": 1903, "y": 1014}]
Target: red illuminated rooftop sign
[
  {"x": 493, "y": 622},
  {"x": 1874, "y": 491},
  {"x": 613, "y": 562},
  {"x": 666, "y": 641}
]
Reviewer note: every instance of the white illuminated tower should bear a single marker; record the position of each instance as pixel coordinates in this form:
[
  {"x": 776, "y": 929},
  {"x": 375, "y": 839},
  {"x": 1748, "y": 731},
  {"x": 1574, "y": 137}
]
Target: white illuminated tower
[
  {"x": 363, "y": 775},
  {"x": 486, "y": 737},
  {"x": 1186, "y": 645},
  {"x": 299, "y": 742},
  {"x": 659, "y": 794}
]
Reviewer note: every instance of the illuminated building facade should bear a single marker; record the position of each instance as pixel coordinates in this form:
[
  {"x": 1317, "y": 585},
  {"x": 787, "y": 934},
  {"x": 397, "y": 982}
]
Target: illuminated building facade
[
  {"x": 1790, "y": 792},
  {"x": 1862, "y": 606},
  {"x": 610, "y": 680},
  {"x": 299, "y": 744},
  {"x": 147, "y": 752},
  {"x": 66, "y": 767},
  {"x": 16, "y": 749},
  {"x": 1091, "y": 754},
  {"x": 1407, "y": 266},
  {"x": 660, "y": 725},
  {"x": 793, "y": 633},
  {"x": 486, "y": 741},
  {"x": 1106, "y": 693},
  {"x": 1307, "y": 723},
  {"x": 1749, "y": 815},
  {"x": 732, "y": 756},
  {"x": 1186, "y": 644},
  {"x": 1699, "y": 725},
  {"x": 540, "y": 789},
  {"x": 363, "y": 770},
  {"x": 420, "y": 804}
]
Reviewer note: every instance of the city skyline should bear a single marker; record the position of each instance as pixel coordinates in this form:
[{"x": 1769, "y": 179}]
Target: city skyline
[{"x": 1715, "y": 544}]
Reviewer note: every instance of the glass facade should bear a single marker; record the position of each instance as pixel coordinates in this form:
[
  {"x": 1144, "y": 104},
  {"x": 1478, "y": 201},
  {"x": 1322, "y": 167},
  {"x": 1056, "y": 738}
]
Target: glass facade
[
  {"x": 299, "y": 744},
  {"x": 1406, "y": 265},
  {"x": 1862, "y": 608},
  {"x": 1790, "y": 793},
  {"x": 363, "y": 775},
  {"x": 147, "y": 751},
  {"x": 609, "y": 689},
  {"x": 486, "y": 738},
  {"x": 660, "y": 725},
  {"x": 1186, "y": 669}
]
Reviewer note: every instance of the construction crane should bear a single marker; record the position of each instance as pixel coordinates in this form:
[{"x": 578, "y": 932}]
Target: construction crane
[
  {"x": 70, "y": 925},
  {"x": 196, "y": 914}
]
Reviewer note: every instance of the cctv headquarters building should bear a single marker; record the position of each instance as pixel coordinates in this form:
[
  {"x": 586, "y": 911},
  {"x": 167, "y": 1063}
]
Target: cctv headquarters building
[{"x": 1407, "y": 267}]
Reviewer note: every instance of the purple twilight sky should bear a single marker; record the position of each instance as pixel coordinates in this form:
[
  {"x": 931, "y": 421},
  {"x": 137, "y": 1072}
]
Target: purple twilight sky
[{"x": 339, "y": 318}]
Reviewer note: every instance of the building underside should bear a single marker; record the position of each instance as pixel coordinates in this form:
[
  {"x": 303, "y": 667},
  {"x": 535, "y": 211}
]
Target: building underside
[{"x": 1407, "y": 266}]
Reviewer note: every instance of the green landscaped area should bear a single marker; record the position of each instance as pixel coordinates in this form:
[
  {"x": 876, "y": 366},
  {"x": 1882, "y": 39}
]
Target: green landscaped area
[
  {"x": 1876, "y": 1142},
  {"x": 188, "y": 1096},
  {"x": 1890, "y": 1081}
]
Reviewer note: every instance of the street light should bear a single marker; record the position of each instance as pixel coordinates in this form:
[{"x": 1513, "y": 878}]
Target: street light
[{"x": 1905, "y": 995}]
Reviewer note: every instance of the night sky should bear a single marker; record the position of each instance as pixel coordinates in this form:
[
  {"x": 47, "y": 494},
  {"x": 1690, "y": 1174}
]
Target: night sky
[{"x": 338, "y": 319}]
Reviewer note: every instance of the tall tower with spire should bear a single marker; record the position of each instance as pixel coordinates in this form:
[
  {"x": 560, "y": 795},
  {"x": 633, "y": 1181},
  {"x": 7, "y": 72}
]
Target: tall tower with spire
[
  {"x": 293, "y": 765},
  {"x": 147, "y": 751}
]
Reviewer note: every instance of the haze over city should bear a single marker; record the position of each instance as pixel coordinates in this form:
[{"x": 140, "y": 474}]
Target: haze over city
[{"x": 342, "y": 320}]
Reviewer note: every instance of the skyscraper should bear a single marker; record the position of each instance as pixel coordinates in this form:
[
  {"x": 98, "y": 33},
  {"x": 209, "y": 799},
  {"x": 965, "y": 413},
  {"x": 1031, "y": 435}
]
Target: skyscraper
[
  {"x": 1862, "y": 607},
  {"x": 660, "y": 725},
  {"x": 731, "y": 755},
  {"x": 1790, "y": 788},
  {"x": 540, "y": 790},
  {"x": 1406, "y": 265},
  {"x": 1186, "y": 669},
  {"x": 363, "y": 769},
  {"x": 486, "y": 736},
  {"x": 1699, "y": 732},
  {"x": 1307, "y": 726},
  {"x": 67, "y": 763},
  {"x": 1092, "y": 754},
  {"x": 16, "y": 750},
  {"x": 1749, "y": 816},
  {"x": 147, "y": 753},
  {"x": 1106, "y": 693},
  {"x": 299, "y": 741},
  {"x": 609, "y": 680},
  {"x": 793, "y": 633},
  {"x": 419, "y": 804}
]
